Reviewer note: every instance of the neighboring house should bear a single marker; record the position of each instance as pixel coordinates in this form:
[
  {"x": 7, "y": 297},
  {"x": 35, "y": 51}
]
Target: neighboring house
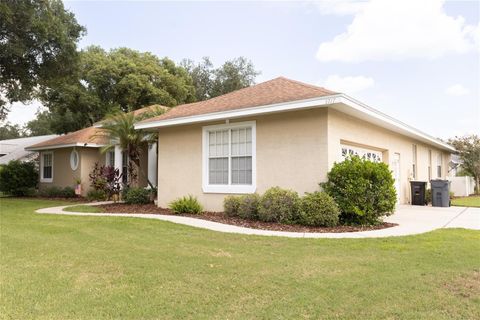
[
  {"x": 67, "y": 158},
  {"x": 282, "y": 133},
  {"x": 14, "y": 149}
]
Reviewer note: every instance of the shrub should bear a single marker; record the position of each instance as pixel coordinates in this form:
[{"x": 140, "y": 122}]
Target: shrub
[
  {"x": 18, "y": 178},
  {"x": 96, "y": 195},
  {"x": 105, "y": 178},
  {"x": 136, "y": 195},
  {"x": 363, "y": 190},
  {"x": 318, "y": 209},
  {"x": 248, "y": 206},
  {"x": 278, "y": 205},
  {"x": 245, "y": 207},
  {"x": 188, "y": 204},
  {"x": 57, "y": 192},
  {"x": 51, "y": 192},
  {"x": 68, "y": 192},
  {"x": 230, "y": 205}
]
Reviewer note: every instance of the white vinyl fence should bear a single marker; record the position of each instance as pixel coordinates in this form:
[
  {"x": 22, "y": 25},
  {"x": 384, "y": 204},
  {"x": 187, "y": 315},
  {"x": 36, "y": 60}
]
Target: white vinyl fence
[{"x": 462, "y": 186}]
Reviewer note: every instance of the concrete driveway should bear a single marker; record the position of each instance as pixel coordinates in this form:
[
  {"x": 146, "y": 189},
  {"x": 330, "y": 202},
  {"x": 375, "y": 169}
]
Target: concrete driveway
[{"x": 418, "y": 219}]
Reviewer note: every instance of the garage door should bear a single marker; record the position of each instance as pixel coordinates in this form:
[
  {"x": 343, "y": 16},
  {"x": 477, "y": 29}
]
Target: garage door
[{"x": 364, "y": 153}]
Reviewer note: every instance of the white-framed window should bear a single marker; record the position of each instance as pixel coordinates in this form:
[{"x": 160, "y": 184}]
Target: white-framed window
[
  {"x": 366, "y": 154},
  {"x": 414, "y": 161},
  {"x": 46, "y": 167},
  {"x": 110, "y": 158},
  {"x": 74, "y": 160},
  {"x": 229, "y": 158},
  {"x": 439, "y": 165}
]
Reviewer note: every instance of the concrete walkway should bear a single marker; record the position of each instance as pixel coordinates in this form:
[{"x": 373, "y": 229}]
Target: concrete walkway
[{"x": 410, "y": 219}]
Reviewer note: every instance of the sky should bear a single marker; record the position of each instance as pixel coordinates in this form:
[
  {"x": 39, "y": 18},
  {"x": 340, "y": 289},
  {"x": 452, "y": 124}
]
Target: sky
[{"x": 418, "y": 61}]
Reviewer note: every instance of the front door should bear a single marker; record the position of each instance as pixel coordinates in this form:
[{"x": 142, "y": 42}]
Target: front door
[{"x": 396, "y": 173}]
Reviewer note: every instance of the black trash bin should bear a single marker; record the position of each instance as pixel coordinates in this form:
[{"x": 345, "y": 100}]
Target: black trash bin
[
  {"x": 440, "y": 193},
  {"x": 418, "y": 192}
]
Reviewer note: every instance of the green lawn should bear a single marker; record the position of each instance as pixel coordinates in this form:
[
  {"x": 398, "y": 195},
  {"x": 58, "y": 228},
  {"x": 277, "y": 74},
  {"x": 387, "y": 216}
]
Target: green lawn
[
  {"x": 83, "y": 208},
  {"x": 69, "y": 267},
  {"x": 473, "y": 201}
]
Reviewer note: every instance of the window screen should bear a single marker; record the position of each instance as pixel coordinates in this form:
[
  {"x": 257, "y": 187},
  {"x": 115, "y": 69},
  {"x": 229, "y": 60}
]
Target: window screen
[
  {"x": 47, "y": 166},
  {"x": 230, "y": 156}
]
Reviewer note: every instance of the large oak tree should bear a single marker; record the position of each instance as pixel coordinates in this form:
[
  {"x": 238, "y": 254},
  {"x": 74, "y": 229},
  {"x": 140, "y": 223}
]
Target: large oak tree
[
  {"x": 38, "y": 48},
  {"x": 118, "y": 80}
]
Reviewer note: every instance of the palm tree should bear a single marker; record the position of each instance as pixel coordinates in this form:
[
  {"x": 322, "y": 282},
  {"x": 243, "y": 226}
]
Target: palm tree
[{"x": 119, "y": 130}]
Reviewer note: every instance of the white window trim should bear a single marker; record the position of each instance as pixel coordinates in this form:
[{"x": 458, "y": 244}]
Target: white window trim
[
  {"x": 72, "y": 165},
  {"x": 108, "y": 158},
  {"x": 240, "y": 189},
  {"x": 42, "y": 179}
]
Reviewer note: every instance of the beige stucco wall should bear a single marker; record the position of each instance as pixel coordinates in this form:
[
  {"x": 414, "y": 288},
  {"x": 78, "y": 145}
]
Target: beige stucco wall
[
  {"x": 291, "y": 153},
  {"x": 344, "y": 128},
  {"x": 64, "y": 176},
  {"x": 88, "y": 157},
  {"x": 294, "y": 150}
]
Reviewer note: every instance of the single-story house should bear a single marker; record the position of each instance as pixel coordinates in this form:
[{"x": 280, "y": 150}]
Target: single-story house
[
  {"x": 71, "y": 157},
  {"x": 282, "y": 133}
]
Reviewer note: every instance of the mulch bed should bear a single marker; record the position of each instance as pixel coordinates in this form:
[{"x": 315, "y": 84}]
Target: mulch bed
[{"x": 223, "y": 218}]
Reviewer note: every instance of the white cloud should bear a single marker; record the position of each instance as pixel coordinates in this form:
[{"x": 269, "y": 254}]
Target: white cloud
[
  {"x": 457, "y": 90},
  {"x": 339, "y": 7},
  {"x": 394, "y": 30},
  {"x": 349, "y": 84},
  {"x": 21, "y": 113}
]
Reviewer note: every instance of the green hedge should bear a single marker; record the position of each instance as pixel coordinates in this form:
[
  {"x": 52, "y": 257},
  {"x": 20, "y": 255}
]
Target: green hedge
[
  {"x": 57, "y": 192},
  {"x": 285, "y": 206},
  {"x": 18, "y": 178},
  {"x": 364, "y": 190},
  {"x": 136, "y": 195},
  {"x": 318, "y": 209}
]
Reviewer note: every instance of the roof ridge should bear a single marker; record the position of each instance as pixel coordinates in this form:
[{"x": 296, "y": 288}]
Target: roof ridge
[{"x": 308, "y": 85}]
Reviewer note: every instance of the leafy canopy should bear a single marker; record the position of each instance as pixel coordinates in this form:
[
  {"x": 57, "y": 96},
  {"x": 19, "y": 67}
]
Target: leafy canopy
[
  {"x": 211, "y": 82},
  {"x": 468, "y": 148},
  {"x": 118, "y": 80},
  {"x": 38, "y": 46}
]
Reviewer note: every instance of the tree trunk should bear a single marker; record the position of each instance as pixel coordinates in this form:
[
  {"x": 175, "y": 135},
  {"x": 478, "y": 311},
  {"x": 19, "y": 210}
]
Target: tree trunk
[{"x": 137, "y": 163}]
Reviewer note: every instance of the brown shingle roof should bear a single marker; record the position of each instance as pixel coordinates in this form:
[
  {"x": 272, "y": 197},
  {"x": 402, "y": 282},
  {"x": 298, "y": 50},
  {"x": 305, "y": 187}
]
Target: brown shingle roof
[
  {"x": 87, "y": 135},
  {"x": 90, "y": 135},
  {"x": 277, "y": 90}
]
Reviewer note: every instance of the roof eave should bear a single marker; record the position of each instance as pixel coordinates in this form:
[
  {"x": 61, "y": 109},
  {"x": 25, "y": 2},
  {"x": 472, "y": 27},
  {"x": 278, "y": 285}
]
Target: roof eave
[
  {"x": 67, "y": 145},
  {"x": 318, "y": 102}
]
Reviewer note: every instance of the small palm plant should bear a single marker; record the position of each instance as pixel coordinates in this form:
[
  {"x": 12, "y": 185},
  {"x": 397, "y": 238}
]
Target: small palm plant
[{"x": 119, "y": 130}]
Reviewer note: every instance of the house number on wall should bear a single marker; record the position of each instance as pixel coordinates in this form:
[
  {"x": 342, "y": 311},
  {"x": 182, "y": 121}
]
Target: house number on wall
[{"x": 331, "y": 100}]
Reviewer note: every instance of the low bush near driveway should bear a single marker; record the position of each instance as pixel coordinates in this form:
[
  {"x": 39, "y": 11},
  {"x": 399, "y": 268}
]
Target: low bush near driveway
[
  {"x": 318, "y": 209},
  {"x": 364, "y": 190},
  {"x": 187, "y": 204}
]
